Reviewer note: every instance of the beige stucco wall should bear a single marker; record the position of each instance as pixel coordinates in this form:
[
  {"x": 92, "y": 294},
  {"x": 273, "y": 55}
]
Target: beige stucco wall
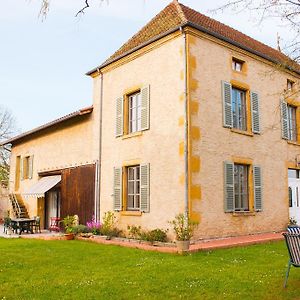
[
  {"x": 159, "y": 146},
  {"x": 211, "y": 63},
  {"x": 4, "y": 202},
  {"x": 69, "y": 144}
]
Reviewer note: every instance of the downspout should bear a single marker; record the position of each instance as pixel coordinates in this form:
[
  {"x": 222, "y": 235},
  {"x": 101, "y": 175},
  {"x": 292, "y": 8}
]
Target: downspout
[
  {"x": 186, "y": 126},
  {"x": 97, "y": 211}
]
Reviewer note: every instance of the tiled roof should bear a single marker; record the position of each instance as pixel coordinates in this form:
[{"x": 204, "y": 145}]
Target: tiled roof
[{"x": 176, "y": 14}]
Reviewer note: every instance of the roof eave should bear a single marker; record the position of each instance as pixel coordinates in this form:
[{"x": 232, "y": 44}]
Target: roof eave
[{"x": 202, "y": 29}]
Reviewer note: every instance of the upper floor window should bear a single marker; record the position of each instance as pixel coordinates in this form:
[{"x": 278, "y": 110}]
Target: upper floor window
[
  {"x": 134, "y": 115},
  {"x": 241, "y": 109},
  {"x": 133, "y": 112},
  {"x": 290, "y": 84},
  {"x": 292, "y": 124},
  {"x": 237, "y": 64},
  {"x": 26, "y": 167},
  {"x": 239, "y": 112}
]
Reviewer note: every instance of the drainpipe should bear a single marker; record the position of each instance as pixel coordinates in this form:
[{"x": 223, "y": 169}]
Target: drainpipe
[
  {"x": 98, "y": 166},
  {"x": 186, "y": 164}
]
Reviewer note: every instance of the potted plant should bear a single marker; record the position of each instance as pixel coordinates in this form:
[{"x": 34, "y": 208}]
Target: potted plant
[
  {"x": 184, "y": 229},
  {"x": 69, "y": 222}
]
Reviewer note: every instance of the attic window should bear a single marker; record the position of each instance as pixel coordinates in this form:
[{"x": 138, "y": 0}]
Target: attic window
[
  {"x": 290, "y": 84},
  {"x": 237, "y": 64}
]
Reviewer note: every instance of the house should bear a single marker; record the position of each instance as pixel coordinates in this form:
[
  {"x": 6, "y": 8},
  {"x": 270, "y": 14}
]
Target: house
[{"x": 188, "y": 116}]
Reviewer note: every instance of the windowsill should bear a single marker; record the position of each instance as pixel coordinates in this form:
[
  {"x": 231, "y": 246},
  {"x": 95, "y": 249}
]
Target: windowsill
[
  {"x": 243, "y": 213},
  {"x": 127, "y": 136},
  {"x": 293, "y": 143},
  {"x": 248, "y": 133},
  {"x": 131, "y": 213},
  {"x": 239, "y": 72}
]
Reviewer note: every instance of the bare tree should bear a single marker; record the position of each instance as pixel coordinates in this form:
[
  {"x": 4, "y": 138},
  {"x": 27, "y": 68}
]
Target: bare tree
[
  {"x": 46, "y": 5},
  {"x": 287, "y": 11},
  {"x": 7, "y": 129}
]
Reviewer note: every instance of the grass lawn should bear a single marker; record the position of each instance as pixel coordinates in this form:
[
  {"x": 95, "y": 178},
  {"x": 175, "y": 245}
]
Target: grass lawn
[{"x": 34, "y": 269}]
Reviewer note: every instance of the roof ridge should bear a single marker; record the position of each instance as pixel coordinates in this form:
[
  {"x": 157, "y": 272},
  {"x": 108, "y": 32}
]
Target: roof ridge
[{"x": 180, "y": 11}]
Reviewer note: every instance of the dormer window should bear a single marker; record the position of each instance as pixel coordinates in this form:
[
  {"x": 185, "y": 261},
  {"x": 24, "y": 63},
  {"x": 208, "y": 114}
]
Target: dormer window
[
  {"x": 290, "y": 84},
  {"x": 237, "y": 64}
]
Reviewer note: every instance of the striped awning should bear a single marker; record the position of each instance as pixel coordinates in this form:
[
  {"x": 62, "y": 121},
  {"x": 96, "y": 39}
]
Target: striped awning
[{"x": 42, "y": 186}]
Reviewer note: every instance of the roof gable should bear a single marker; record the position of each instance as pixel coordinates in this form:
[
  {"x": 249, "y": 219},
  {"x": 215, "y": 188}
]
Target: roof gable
[{"x": 176, "y": 14}]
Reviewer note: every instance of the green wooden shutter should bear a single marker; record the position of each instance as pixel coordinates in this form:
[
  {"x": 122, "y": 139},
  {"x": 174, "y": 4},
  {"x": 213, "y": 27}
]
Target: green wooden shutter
[
  {"x": 257, "y": 178},
  {"x": 284, "y": 120},
  {"x": 22, "y": 168},
  {"x": 227, "y": 104},
  {"x": 229, "y": 186},
  {"x": 144, "y": 187},
  {"x": 255, "y": 112},
  {"x": 30, "y": 167},
  {"x": 117, "y": 189},
  {"x": 145, "y": 107},
  {"x": 119, "y": 116}
]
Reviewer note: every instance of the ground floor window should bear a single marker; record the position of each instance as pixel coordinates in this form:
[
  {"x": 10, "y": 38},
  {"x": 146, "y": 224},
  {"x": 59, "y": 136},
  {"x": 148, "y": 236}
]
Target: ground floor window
[
  {"x": 133, "y": 188},
  {"x": 241, "y": 195}
]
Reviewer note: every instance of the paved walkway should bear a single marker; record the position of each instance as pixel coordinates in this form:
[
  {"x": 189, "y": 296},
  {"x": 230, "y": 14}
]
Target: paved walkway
[{"x": 45, "y": 235}]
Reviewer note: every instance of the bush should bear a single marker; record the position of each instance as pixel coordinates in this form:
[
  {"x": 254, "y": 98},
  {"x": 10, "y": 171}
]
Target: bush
[
  {"x": 94, "y": 226},
  {"x": 183, "y": 227},
  {"x": 155, "y": 235},
  {"x": 109, "y": 225},
  {"x": 134, "y": 232},
  {"x": 81, "y": 229}
]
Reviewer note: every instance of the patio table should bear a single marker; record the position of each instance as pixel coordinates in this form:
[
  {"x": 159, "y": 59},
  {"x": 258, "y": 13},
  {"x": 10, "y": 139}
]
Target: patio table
[{"x": 23, "y": 224}]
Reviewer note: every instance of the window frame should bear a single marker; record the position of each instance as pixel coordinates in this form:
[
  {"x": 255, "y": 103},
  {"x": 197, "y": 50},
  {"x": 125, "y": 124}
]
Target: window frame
[
  {"x": 26, "y": 166},
  {"x": 135, "y": 194},
  {"x": 242, "y": 124},
  {"x": 292, "y": 123},
  {"x": 237, "y": 62},
  {"x": 290, "y": 84},
  {"x": 134, "y": 115},
  {"x": 243, "y": 206}
]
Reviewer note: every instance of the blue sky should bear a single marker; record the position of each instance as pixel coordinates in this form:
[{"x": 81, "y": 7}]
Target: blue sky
[{"x": 43, "y": 64}]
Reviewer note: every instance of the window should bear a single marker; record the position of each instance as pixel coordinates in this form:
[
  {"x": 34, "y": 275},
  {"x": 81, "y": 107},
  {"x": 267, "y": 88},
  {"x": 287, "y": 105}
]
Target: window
[
  {"x": 290, "y": 85},
  {"x": 237, "y": 65},
  {"x": 26, "y": 164},
  {"x": 134, "y": 112},
  {"x": 292, "y": 125},
  {"x": 242, "y": 186},
  {"x": 17, "y": 172},
  {"x": 241, "y": 195},
  {"x": 133, "y": 188},
  {"x": 290, "y": 197},
  {"x": 239, "y": 111}
]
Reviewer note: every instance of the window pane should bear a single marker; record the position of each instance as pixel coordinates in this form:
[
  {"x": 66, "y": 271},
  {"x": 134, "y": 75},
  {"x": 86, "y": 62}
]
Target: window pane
[
  {"x": 130, "y": 202},
  {"x": 131, "y": 187},
  {"x": 130, "y": 173},
  {"x": 137, "y": 188},
  {"x": 241, "y": 187},
  {"x": 290, "y": 197},
  {"x": 239, "y": 111},
  {"x": 137, "y": 201}
]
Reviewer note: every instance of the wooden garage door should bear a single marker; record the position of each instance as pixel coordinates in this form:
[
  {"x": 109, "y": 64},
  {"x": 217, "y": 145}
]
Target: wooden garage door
[{"x": 78, "y": 192}]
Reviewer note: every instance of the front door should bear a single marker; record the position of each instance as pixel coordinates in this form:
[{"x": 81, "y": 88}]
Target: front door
[{"x": 294, "y": 199}]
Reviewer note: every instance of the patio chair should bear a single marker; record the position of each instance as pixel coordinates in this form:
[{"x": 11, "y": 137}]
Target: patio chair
[
  {"x": 36, "y": 226},
  {"x": 6, "y": 225},
  {"x": 293, "y": 244},
  {"x": 54, "y": 224},
  {"x": 293, "y": 229}
]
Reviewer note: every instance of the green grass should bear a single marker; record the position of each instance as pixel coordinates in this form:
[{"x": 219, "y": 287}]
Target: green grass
[{"x": 34, "y": 269}]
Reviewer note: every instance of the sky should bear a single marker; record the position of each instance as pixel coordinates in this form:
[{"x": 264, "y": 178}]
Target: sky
[{"x": 43, "y": 62}]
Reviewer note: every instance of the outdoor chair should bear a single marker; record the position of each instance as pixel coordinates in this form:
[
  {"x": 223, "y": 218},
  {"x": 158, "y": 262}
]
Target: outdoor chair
[
  {"x": 293, "y": 244},
  {"x": 293, "y": 229},
  {"x": 54, "y": 224},
  {"x": 6, "y": 225},
  {"x": 36, "y": 226}
]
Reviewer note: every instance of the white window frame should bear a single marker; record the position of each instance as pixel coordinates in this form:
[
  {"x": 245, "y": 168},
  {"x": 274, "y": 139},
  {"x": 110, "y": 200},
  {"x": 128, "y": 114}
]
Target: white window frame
[
  {"x": 292, "y": 123},
  {"x": 239, "y": 109},
  {"x": 241, "y": 187},
  {"x": 134, "y": 112},
  {"x": 136, "y": 194}
]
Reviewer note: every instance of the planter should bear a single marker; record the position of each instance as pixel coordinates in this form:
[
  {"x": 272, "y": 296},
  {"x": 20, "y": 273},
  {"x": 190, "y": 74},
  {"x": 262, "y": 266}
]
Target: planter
[
  {"x": 69, "y": 236},
  {"x": 183, "y": 246}
]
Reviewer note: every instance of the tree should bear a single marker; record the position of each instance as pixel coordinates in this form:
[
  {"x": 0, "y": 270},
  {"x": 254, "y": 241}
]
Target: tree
[
  {"x": 287, "y": 11},
  {"x": 7, "y": 129},
  {"x": 46, "y": 4}
]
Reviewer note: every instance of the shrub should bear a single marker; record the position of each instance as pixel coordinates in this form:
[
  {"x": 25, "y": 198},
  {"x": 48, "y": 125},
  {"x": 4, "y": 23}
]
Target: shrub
[
  {"x": 157, "y": 235},
  {"x": 81, "y": 229},
  {"x": 134, "y": 232},
  {"x": 183, "y": 227},
  {"x": 109, "y": 225},
  {"x": 68, "y": 222}
]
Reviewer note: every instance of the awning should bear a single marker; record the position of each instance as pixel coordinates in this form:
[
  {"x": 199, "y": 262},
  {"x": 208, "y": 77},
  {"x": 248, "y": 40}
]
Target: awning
[{"x": 42, "y": 186}]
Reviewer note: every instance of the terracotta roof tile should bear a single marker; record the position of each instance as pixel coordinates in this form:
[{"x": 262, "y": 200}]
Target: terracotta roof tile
[{"x": 176, "y": 14}]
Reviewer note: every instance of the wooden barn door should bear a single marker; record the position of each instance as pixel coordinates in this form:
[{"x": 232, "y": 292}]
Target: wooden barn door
[{"x": 78, "y": 192}]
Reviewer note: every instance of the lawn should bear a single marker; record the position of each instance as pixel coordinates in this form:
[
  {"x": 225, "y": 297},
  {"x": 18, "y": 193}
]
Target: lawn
[{"x": 34, "y": 269}]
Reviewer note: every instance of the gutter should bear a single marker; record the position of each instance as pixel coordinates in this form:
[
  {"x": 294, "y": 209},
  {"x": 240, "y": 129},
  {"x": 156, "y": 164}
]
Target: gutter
[
  {"x": 204, "y": 30},
  {"x": 186, "y": 126}
]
